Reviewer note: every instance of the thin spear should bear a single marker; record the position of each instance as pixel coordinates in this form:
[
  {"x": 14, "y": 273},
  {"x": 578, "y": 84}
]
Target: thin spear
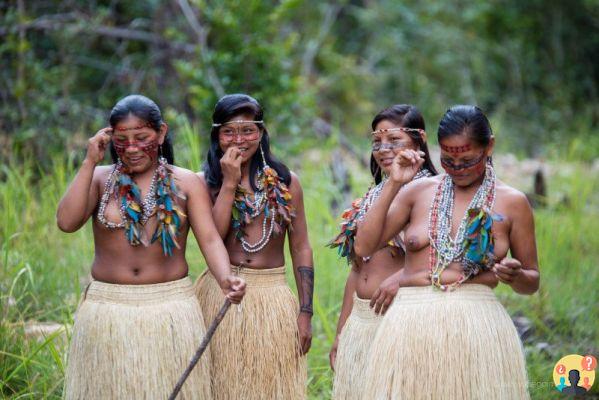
[{"x": 217, "y": 320}]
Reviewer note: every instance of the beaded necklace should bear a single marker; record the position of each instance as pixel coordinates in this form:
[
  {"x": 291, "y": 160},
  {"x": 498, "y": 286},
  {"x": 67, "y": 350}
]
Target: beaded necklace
[
  {"x": 473, "y": 243},
  {"x": 135, "y": 211},
  {"x": 272, "y": 198},
  {"x": 344, "y": 241}
]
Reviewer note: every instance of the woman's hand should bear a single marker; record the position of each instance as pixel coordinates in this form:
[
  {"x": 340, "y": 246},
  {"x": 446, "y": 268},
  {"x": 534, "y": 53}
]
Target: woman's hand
[
  {"x": 333, "y": 353},
  {"x": 96, "y": 145},
  {"x": 234, "y": 288},
  {"x": 406, "y": 165},
  {"x": 508, "y": 270},
  {"x": 230, "y": 165},
  {"x": 384, "y": 295},
  {"x": 304, "y": 326}
]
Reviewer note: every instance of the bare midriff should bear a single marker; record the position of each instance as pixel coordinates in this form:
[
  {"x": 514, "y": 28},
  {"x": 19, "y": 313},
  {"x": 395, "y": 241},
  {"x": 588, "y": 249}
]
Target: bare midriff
[
  {"x": 384, "y": 263},
  {"x": 271, "y": 256}
]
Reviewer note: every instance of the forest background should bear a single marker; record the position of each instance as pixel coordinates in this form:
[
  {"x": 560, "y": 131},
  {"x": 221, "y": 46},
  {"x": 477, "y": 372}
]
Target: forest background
[{"x": 322, "y": 69}]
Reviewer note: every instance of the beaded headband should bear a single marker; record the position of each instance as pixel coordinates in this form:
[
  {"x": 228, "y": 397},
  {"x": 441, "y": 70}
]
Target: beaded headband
[
  {"x": 146, "y": 125},
  {"x": 238, "y": 121},
  {"x": 456, "y": 149},
  {"x": 421, "y": 131}
]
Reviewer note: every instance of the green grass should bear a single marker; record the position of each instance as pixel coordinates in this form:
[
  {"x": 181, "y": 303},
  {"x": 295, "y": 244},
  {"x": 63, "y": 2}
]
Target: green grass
[{"x": 41, "y": 269}]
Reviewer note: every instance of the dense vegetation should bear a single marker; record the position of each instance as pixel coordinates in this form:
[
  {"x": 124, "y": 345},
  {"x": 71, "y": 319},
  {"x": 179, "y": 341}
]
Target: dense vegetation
[
  {"x": 532, "y": 65},
  {"x": 322, "y": 69}
]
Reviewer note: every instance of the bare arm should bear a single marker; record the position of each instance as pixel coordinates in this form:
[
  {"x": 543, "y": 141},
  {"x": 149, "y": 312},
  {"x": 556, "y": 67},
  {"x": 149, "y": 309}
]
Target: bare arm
[
  {"x": 222, "y": 207},
  {"x": 391, "y": 211},
  {"x": 81, "y": 198},
  {"x": 522, "y": 271},
  {"x": 303, "y": 264},
  {"x": 346, "y": 308},
  {"x": 211, "y": 245},
  {"x": 389, "y": 214},
  {"x": 230, "y": 165}
]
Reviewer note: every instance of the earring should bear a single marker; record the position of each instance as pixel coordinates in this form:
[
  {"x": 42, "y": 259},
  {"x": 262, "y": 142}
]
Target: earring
[{"x": 263, "y": 158}]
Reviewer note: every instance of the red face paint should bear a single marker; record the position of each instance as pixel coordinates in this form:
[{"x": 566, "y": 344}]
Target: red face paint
[
  {"x": 456, "y": 149},
  {"x": 121, "y": 129},
  {"x": 148, "y": 147},
  {"x": 477, "y": 165}
]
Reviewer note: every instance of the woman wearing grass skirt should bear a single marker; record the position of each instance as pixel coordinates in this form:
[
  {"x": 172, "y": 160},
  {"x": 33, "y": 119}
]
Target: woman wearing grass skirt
[
  {"x": 395, "y": 128},
  {"x": 139, "y": 322},
  {"x": 260, "y": 350},
  {"x": 446, "y": 336}
]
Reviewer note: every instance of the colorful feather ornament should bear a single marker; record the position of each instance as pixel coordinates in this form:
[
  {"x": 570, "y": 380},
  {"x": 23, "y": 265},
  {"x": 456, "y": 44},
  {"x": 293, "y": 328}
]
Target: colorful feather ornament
[
  {"x": 344, "y": 241},
  {"x": 135, "y": 211},
  {"x": 130, "y": 204},
  {"x": 272, "y": 196},
  {"x": 478, "y": 241},
  {"x": 169, "y": 215}
]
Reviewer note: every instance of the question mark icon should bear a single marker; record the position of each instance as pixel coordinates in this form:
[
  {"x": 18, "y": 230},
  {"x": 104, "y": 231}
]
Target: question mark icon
[
  {"x": 589, "y": 363},
  {"x": 560, "y": 369}
]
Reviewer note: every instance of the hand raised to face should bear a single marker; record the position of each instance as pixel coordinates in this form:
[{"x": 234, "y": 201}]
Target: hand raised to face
[
  {"x": 406, "y": 165},
  {"x": 230, "y": 164},
  {"x": 97, "y": 145}
]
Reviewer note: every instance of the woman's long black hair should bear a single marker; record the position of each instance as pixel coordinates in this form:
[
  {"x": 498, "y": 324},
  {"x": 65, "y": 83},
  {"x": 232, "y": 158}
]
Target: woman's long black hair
[
  {"x": 146, "y": 110},
  {"x": 226, "y": 109},
  {"x": 466, "y": 119},
  {"x": 405, "y": 116},
  {"x": 469, "y": 120}
]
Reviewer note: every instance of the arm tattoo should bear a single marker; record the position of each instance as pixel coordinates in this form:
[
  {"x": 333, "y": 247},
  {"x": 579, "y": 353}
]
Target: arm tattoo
[{"x": 306, "y": 284}]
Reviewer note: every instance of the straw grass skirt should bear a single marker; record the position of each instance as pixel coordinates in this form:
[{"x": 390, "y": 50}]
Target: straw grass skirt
[
  {"x": 255, "y": 351},
  {"x": 446, "y": 345},
  {"x": 354, "y": 346},
  {"x": 135, "y": 341}
]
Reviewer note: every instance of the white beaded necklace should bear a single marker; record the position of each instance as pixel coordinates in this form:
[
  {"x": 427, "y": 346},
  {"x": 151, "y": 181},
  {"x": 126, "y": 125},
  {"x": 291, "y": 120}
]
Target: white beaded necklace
[
  {"x": 148, "y": 203},
  {"x": 450, "y": 249}
]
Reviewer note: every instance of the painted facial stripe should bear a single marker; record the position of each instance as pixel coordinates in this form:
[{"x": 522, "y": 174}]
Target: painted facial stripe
[
  {"x": 448, "y": 165},
  {"x": 147, "y": 125},
  {"x": 379, "y": 131},
  {"x": 388, "y": 146},
  {"x": 150, "y": 148},
  {"x": 456, "y": 149}
]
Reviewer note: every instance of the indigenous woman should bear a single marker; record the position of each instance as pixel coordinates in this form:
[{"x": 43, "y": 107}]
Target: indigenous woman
[
  {"x": 445, "y": 334},
  {"x": 139, "y": 323},
  {"x": 260, "y": 347},
  {"x": 371, "y": 278}
]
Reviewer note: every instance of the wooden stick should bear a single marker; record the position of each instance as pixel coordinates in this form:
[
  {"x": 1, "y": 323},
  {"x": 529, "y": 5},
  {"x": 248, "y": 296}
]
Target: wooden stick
[{"x": 217, "y": 320}]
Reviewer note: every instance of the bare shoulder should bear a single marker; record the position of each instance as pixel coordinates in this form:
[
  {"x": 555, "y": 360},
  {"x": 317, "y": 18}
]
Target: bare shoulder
[
  {"x": 294, "y": 185},
  {"x": 103, "y": 170},
  {"x": 420, "y": 187},
  {"x": 101, "y": 173},
  {"x": 186, "y": 179},
  {"x": 512, "y": 199}
]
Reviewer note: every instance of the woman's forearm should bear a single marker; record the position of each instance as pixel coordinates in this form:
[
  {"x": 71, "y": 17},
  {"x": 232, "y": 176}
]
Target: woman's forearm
[
  {"x": 217, "y": 259},
  {"x": 527, "y": 282},
  {"x": 348, "y": 300},
  {"x": 222, "y": 210},
  {"x": 73, "y": 210},
  {"x": 370, "y": 232},
  {"x": 303, "y": 268}
]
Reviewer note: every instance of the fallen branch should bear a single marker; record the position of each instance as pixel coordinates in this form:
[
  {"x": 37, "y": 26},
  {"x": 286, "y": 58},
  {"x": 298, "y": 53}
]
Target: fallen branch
[{"x": 217, "y": 320}]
